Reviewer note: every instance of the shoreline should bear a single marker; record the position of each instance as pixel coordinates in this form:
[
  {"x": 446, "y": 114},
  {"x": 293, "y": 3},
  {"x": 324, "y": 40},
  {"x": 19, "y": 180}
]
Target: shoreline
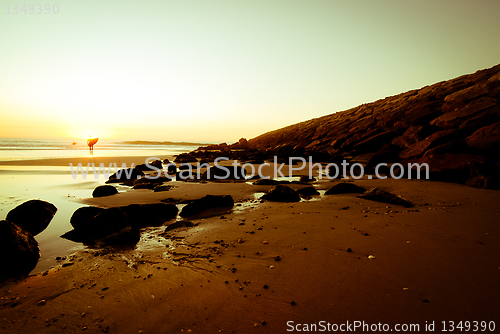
[{"x": 119, "y": 160}]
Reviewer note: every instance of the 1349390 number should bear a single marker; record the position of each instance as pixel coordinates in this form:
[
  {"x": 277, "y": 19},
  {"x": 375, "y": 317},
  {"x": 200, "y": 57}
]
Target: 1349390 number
[
  {"x": 468, "y": 326},
  {"x": 32, "y": 9}
]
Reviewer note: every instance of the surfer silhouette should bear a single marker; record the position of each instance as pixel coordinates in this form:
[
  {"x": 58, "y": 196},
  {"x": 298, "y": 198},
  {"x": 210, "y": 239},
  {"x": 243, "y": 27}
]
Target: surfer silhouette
[{"x": 91, "y": 142}]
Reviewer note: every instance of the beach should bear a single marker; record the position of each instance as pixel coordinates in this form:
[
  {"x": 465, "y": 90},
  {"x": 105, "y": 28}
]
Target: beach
[{"x": 268, "y": 267}]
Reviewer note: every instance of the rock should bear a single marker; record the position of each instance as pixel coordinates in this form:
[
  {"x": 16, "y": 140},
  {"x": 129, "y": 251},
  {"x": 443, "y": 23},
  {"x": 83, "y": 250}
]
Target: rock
[
  {"x": 185, "y": 157},
  {"x": 377, "y": 195},
  {"x": 103, "y": 191},
  {"x": 82, "y": 215},
  {"x": 33, "y": 216},
  {"x": 19, "y": 251},
  {"x": 224, "y": 173},
  {"x": 455, "y": 118},
  {"x": 477, "y": 121},
  {"x": 103, "y": 224},
  {"x": 266, "y": 182},
  {"x": 455, "y": 146},
  {"x": 420, "y": 147},
  {"x": 170, "y": 200},
  {"x": 413, "y": 135},
  {"x": 205, "y": 203},
  {"x": 345, "y": 188},
  {"x": 486, "y": 139},
  {"x": 186, "y": 175},
  {"x": 117, "y": 225},
  {"x": 448, "y": 167},
  {"x": 125, "y": 174},
  {"x": 307, "y": 191},
  {"x": 204, "y": 161},
  {"x": 243, "y": 143},
  {"x": 178, "y": 224},
  {"x": 159, "y": 188},
  {"x": 153, "y": 165},
  {"x": 307, "y": 179},
  {"x": 186, "y": 166},
  {"x": 388, "y": 153},
  {"x": 145, "y": 185},
  {"x": 171, "y": 169},
  {"x": 281, "y": 193},
  {"x": 153, "y": 214},
  {"x": 373, "y": 143},
  {"x": 492, "y": 182}
]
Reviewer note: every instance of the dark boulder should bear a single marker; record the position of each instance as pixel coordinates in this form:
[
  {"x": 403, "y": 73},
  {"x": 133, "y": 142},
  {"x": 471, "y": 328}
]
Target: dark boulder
[
  {"x": 117, "y": 225},
  {"x": 186, "y": 175},
  {"x": 19, "y": 252},
  {"x": 103, "y": 191},
  {"x": 307, "y": 179},
  {"x": 345, "y": 188},
  {"x": 34, "y": 216},
  {"x": 159, "y": 188},
  {"x": 373, "y": 143},
  {"x": 205, "y": 161},
  {"x": 281, "y": 193},
  {"x": 125, "y": 174},
  {"x": 266, "y": 182},
  {"x": 103, "y": 224},
  {"x": 153, "y": 178},
  {"x": 145, "y": 185},
  {"x": 185, "y": 157},
  {"x": 307, "y": 191},
  {"x": 492, "y": 182},
  {"x": 448, "y": 167},
  {"x": 438, "y": 138},
  {"x": 454, "y": 119},
  {"x": 218, "y": 172},
  {"x": 388, "y": 153},
  {"x": 455, "y": 146},
  {"x": 153, "y": 214},
  {"x": 413, "y": 135},
  {"x": 486, "y": 139},
  {"x": 205, "y": 203},
  {"x": 153, "y": 165},
  {"x": 82, "y": 215},
  {"x": 186, "y": 166},
  {"x": 171, "y": 169},
  {"x": 377, "y": 195}
]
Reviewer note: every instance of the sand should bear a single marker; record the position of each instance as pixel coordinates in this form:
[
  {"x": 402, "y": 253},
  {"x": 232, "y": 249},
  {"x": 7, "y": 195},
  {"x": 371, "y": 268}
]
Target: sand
[{"x": 435, "y": 262}]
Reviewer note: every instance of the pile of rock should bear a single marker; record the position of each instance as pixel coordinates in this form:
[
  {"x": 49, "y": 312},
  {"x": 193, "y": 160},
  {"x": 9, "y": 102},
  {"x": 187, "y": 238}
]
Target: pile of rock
[
  {"x": 117, "y": 225},
  {"x": 18, "y": 248},
  {"x": 453, "y": 126}
]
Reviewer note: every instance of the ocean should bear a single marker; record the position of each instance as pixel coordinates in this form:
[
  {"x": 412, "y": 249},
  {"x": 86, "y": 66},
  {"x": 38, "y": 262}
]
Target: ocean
[{"x": 12, "y": 149}]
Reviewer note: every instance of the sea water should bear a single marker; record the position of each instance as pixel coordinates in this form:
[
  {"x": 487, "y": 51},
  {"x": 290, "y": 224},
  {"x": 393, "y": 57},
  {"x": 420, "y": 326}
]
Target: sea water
[{"x": 29, "y": 149}]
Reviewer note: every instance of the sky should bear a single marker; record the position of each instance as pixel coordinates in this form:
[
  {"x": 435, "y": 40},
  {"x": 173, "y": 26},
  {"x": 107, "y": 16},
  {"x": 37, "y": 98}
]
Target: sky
[{"x": 219, "y": 70}]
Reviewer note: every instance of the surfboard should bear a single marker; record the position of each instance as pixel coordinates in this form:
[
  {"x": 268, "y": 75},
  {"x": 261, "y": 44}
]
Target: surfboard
[{"x": 92, "y": 141}]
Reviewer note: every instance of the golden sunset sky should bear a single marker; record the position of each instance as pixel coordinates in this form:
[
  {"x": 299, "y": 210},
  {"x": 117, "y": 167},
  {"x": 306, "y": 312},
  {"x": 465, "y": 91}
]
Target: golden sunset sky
[{"x": 219, "y": 70}]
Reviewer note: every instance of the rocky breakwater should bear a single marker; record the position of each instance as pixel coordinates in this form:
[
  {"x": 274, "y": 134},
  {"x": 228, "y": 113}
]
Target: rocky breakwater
[{"x": 453, "y": 126}]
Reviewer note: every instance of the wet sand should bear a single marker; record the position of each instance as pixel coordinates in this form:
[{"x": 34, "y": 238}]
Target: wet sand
[{"x": 435, "y": 262}]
